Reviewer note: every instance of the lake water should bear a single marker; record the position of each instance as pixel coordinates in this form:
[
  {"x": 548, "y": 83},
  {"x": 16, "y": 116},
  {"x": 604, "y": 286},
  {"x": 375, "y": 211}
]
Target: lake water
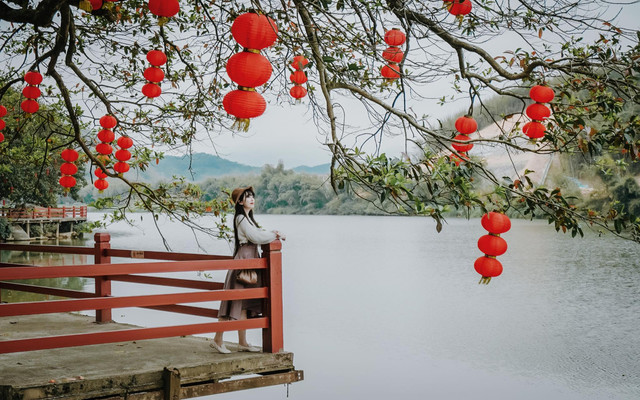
[{"x": 386, "y": 308}]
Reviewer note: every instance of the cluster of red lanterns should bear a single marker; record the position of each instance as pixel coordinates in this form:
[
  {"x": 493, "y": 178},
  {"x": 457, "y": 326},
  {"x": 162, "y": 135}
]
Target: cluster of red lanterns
[
  {"x": 249, "y": 69},
  {"x": 123, "y": 155},
  {"x": 68, "y": 168},
  {"x": 537, "y": 111},
  {"x": 104, "y": 148},
  {"x": 393, "y": 54},
  {"x": 298, "y": 77},
  {"x": 3, "y": 112},
  {"x": 154, "y": 74},
  {"x": 465, "y": 126},
  {"x": 164, "y": 9},
  {"x": 492, "y": 245},
  {"x": 459, "y": 8},
  {"x": 31, "y": 92}
]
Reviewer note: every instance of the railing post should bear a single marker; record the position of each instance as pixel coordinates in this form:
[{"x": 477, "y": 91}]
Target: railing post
[
  {"x": 272, "y": 337},
  {"x": 103, "y": 283}
]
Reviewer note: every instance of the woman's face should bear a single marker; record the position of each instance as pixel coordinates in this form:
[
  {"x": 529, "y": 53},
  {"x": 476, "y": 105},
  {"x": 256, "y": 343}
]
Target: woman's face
[{"x": 248, "y": 201}]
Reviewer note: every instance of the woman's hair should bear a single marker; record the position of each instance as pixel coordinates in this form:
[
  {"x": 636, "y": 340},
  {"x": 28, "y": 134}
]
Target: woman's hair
[{"x": 249, "y": 217}]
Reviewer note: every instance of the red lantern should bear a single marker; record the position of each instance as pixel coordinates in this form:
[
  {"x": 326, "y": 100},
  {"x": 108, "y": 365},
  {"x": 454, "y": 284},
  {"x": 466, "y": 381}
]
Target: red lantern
[
  {"x": 534, "y": 129},
  {"x": 466, "y": 125},
  {"x": 123, "y": 155},
  {"x": 298, "y": 77},
  {"x": 31, "y": 92},
  {"x": 67, "y": 181},
  {"x": 108, "y": 122},
  {"x": 96, "y": 4},
  {"x": 156, "y": 58},
  {"x": 153, "y": 74},
  {"x": 106, "y": 135},
  {"x": 104, "y": 148},
  {"x": 164, "y": 8},
  {"x": 395, "y": 37},
  {"x": 30, "y": 106},
  {"x": 492, "y": 245},
  {"x": 461, "y": 148},
  {"x": 454, "y": 158},
  {"x": 249, "y": 69},
  {"x": 299, "y": 63},
  {"x": 101, "y": 184},
  {"x": 459, "y": 7},
  {"x": 393, "y": 54},
  {"x": 33, "y": 78},
  {"x": 69, "y": 155},
  {"x": 488, "y": 268},
  {"x": 121, "y": 167},
  {"x": 495, "y": 223},
  {"x": 3, "y": 111},
  {"x": 254, "y": 31},
  {"x": 151, "y": 90},
  {"x": 124, "y": 142},
  {"x": 538, "y": 112},
  {"x": 391, "y": 71},
  {"x": 541, "y": 94},
  {"x": 68, "y": 168},
  {"x": 100, "y": 173},
  {"x": 244, "y": 104},
  {"x": 2, "y": 124},
  {"x": 298, "y": 92},
  {"x": 1, "y": 137}
]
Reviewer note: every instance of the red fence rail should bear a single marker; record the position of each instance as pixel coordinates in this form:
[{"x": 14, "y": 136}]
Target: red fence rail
[
  {"x": 103, "y": 302},
  {"x": 44, "y": 212}
]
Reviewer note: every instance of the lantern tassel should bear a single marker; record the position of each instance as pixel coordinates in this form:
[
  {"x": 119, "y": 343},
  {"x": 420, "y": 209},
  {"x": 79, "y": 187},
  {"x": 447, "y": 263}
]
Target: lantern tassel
[
  {"x": 162, "y": 21},
  {"x": 241, "y": 124},
  {"x": 85, "y": 5}
]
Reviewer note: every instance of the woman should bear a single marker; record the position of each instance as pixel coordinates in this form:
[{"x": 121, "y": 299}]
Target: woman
[{"x": 248, "y": 235}]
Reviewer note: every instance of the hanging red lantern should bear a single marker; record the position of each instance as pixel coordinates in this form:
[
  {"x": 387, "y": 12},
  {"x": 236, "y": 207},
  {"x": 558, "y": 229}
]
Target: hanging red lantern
[
  {"x": 30, "y": 106},
  {"x": 121, "y": 167},
  {"x": 495, "y": 222},
  {"x": 68, "y": 168},
  {"x": 492, "y": 245},
  {"x": 33, "y": 78},
  {"x": 249, "y": 69},
  {"x": 391, "y": 71},
  {"x": 100, "y": 173},
  {"x": 1, "y": 137},
  {"x": 488, "y": 268},
  {"x": 125, "y": 142},
  {"x": 151, "y": 90},
  {"x": 108, "y": 121},
  {"x": 254, "y": 31},
  {"x": 534, "y": 129},
  {"x": 101, "y": 184},
  {"x": 156, "y": 58},
  {"x": 461, "y": 148},
  {"x": 3, "y": 111},
  {"x": 31, "y": 92},
  {"x": 154, "y": 74},
  {"x": 244, "y": 104},
  {"x": 541, "y": 94},
  {"x": 96, "y": 4},
  {"x": 395, "y": 37},
  {"x": 106, "y": 136},
  {"x": 67, "y": 181},
  {"x": 466, "y": 125},
  {"x": 298, "y": 77},
  {"x": 538, "y": 112},
  {"x": 164, "y": 9},
  {"x": 104, "y": 148},
  {"x": 123, "y": 155},
  {"x": 459, "y": 7},
  {"x": 299, "y": 63},
  {"x": 2, "y": 124},
  {"x": 298, "y": 92},
  {"x": 393, "y": 54},
  {"x": 69, "y": 155}
]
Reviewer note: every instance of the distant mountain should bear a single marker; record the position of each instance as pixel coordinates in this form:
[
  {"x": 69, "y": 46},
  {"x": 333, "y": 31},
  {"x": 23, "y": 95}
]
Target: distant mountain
[{"x": 322, "y": 169}]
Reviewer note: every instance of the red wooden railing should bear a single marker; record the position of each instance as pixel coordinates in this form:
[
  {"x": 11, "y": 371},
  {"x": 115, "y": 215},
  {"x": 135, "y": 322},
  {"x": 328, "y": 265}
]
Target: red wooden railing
[
  {"x": 102, "y": 301},
  {"x": 44, "y": 212}
]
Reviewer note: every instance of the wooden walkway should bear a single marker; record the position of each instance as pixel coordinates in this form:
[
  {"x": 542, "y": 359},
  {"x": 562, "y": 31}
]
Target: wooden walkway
[{"x": 168, "y": 368}]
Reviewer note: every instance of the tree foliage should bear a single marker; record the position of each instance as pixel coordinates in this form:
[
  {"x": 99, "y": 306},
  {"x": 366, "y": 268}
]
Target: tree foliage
[{"x": 94, "y": 63}]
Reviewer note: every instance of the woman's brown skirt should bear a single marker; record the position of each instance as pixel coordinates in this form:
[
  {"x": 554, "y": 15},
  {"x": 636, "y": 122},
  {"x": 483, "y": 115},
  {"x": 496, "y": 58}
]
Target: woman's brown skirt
[{"x": 232, "y": 309}]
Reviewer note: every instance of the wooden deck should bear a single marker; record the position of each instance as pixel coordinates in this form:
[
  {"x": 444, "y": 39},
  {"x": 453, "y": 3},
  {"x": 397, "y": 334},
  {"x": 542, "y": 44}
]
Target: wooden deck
[{"x": 168, "y": 368}]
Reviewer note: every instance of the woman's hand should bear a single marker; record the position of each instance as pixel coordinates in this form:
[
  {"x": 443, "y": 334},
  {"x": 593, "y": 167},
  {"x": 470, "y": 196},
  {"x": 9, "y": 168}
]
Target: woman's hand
[{"x": 280, "y": 235}]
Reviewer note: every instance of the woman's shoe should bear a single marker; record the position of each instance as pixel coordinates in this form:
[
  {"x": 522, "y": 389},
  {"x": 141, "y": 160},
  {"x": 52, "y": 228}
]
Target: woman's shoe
[
  {"x": 221, "y": 349},
  {"x": 250, "y": 348}
]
